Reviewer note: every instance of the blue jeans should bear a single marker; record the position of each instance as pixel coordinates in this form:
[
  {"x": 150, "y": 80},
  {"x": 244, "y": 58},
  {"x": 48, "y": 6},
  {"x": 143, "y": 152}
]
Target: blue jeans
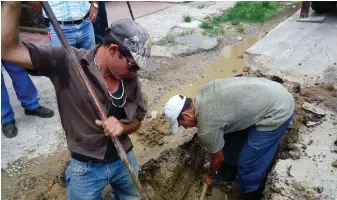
[
  {"x": 86, "y": 180},
  {"x": 78, "y": 35},
  {"x": 24, "y": 88},
  {"x": 253, "y": 153}
]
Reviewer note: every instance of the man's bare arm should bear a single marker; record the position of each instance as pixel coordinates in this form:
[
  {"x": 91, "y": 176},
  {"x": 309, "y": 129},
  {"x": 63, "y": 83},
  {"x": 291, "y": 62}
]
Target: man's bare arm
[
  {"x": 12, "y": 49},
  {"x": 131, "y": 127},
  {"x": 216, "y": 161}
]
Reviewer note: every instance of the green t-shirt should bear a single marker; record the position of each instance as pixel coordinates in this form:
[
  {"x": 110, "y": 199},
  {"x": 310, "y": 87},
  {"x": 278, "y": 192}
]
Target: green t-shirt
[{"x": 234, "y": 104}]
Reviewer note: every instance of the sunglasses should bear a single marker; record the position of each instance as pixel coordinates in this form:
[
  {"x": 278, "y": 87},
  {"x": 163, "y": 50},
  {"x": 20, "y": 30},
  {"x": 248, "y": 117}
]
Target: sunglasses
[{"x": 133, "y": 67}]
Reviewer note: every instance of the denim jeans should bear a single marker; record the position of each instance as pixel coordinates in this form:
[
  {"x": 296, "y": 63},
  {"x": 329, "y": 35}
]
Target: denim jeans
[
  {"x": 24, "y": 88},
  {"x": 78, "y": 35},
  {"x": 252, "y": 152},
  {"x": 86, "y": 180}
]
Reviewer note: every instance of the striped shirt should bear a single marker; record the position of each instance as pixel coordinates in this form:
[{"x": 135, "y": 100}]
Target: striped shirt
[{"x": 69, "y": 10}]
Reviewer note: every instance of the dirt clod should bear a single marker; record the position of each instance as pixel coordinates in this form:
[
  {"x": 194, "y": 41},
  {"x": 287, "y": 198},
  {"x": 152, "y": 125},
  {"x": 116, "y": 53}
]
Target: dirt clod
[
  {"x": 334, "y": 164},
  {"x": 277, "y": 79},
  {"x": 319, "y": 190},
  {"x": 153, "y": 131},
  {"x": 297, "y": 88},
  {"x": 298, "y": 186}
]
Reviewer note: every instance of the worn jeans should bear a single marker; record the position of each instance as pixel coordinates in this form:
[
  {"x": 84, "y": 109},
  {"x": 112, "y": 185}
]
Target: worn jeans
[
  {"x": 24, "y": 88},
  {"x": 86, "y": 180},
  {"x": 78, "y": 35}
]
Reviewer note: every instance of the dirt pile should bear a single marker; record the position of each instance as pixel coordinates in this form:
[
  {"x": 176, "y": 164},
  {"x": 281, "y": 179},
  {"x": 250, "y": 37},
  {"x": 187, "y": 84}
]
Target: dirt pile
[
  {"x": 35, "y": 179},
  {"x": 153, "y": 130}
]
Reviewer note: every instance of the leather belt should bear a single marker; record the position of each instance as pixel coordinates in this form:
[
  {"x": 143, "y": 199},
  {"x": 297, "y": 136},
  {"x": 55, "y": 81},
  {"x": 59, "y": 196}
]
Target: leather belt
[{"x": 79, "y": 21}]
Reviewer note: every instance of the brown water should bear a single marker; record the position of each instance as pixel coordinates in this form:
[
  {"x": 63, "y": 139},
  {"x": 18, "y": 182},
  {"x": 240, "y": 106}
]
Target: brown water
[{"x": 230, "y": 63}]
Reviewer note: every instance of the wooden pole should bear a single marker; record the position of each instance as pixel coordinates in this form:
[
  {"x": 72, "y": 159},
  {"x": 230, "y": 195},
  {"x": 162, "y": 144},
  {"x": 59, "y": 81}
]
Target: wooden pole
[
  {"x": 130, "y": 10},
  {"x": 75, "y": 63},
  {"x": 203, "y": 192}
]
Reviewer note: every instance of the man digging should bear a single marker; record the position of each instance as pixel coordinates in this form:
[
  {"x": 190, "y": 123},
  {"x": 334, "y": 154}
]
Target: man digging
[
  {"x": 112, "y": 71},
  {"x": 252, "y": 114}
]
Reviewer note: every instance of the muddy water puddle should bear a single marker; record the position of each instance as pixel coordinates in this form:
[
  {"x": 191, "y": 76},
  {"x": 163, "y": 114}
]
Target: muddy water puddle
[{"x": 230, "y": 63}]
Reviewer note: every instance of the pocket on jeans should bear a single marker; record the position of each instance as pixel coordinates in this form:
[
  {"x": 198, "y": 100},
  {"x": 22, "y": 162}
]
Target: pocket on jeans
[{"x": 77, "y": 169}]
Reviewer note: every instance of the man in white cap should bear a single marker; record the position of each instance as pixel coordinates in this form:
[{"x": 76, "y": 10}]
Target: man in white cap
[{"x": 221, "y": 110}]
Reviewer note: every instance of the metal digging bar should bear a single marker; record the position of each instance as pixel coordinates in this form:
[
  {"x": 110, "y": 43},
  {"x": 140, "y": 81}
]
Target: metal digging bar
[{"x": 92, "y": 94}]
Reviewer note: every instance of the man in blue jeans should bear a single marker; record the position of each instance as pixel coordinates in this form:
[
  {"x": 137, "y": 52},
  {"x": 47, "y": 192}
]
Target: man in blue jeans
[
  {"x": 223, "y": 110},
  {"x": 26, "y": 93},
  {"x": 111, "y": 69},
  {"x": 75, "y": 19}
]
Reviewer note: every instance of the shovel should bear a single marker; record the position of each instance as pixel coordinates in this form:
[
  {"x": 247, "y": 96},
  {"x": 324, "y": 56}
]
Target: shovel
[{"x": 203, "y": 192}]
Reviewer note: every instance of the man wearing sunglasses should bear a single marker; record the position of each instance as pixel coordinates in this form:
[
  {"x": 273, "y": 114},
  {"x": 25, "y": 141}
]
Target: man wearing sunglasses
[{"x": 112, "y": 71}]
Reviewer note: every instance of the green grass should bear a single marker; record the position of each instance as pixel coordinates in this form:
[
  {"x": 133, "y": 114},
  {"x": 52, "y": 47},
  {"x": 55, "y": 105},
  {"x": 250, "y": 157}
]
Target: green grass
[
  {"x": 166, "y": 40},
  {"x": 170, "y": 39},
  {"x": 251, "y": 11},
  {"x": 239, "y": 28},
  {"x": 215, "y": 31},
  {"x": 244, "y": 11},
  {"x": 187, "y": 18}
]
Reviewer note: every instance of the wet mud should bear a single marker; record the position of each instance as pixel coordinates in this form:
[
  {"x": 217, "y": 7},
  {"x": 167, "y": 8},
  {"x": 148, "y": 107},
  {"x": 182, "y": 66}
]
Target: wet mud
[
  {"x": 153, "y": 131},
  {"x": 176, "y": 173}
]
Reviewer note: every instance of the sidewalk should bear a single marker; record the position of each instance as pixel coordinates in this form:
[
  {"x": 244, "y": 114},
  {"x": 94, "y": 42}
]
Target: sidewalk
[{"x": 118, "y": 9}]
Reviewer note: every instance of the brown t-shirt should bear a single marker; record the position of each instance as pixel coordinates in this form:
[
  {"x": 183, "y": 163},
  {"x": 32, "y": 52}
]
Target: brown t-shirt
[{"x": 77, "y": 111}]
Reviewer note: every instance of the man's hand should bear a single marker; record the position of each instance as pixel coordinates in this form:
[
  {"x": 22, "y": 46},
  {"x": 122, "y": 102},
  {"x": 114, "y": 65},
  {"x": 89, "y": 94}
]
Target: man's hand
[
  {"x": 112, "y": 127},
  {"x": 216, "y": 161},
  {"x": 208, "y": 179},
  {"x": 93, "y": 13}
]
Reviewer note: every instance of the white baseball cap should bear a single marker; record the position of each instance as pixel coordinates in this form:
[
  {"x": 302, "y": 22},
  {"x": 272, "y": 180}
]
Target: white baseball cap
[{"x": 172, "y": 110}]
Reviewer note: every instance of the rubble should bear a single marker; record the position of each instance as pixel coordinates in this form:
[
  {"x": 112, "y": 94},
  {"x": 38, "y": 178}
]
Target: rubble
[
  {"x": 194, "y": 43},
  {"x": 311, "y": 108}
]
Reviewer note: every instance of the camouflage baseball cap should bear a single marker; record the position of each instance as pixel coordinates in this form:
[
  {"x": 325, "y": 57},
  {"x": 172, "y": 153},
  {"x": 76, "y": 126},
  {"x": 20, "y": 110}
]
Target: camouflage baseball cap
[{"x": 135, "y": 39}]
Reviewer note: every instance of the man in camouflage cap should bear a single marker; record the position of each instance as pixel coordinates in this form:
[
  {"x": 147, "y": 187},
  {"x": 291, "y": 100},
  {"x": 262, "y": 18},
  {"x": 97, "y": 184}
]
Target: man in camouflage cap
[{"x": 112, "y": 71}]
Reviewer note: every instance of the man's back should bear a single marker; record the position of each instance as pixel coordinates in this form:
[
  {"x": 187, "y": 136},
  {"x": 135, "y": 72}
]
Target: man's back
[{"x": 235, "y": 104}]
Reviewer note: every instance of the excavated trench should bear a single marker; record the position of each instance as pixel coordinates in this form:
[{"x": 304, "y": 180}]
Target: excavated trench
[{"x": 177, "y": 173}]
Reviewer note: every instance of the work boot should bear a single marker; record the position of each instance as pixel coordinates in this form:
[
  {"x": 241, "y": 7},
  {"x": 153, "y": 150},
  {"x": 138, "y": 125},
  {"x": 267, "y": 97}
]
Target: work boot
[
  {"x": 9, "y": 129},
  {"x": 251, "y": 195},
  {"x": 40, "y": 112},
  {"x": 226, "y": 176}
]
